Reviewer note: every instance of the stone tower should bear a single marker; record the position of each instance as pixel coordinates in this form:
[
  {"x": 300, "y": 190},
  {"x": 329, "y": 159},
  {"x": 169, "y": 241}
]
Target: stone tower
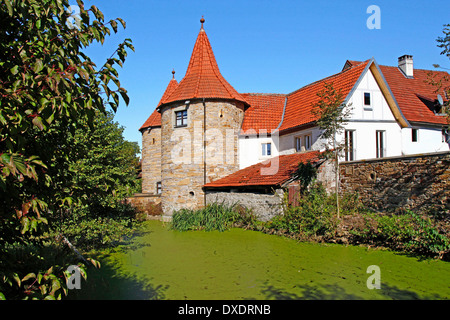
[
  {"x": 151, "y": 147},
  {"x": 200, "y": 122}
]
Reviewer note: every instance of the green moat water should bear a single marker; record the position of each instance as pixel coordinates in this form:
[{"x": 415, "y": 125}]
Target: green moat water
[{"x": 242, "y": 264}]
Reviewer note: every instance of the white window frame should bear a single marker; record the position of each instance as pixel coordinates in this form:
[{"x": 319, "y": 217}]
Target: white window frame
[
  {"x": 303, "y": 142},
  {"x": 350, "y": 153},
  {"x": 158, "y": 187},
  {"x": 370, "y": 105},
  {"x": 266, "y": 152},
  {"x": 380, "y": 143}
]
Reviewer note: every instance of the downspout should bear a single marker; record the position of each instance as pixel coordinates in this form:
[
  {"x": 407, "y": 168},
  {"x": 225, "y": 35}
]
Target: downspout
[{"x": 204, "y": 151}]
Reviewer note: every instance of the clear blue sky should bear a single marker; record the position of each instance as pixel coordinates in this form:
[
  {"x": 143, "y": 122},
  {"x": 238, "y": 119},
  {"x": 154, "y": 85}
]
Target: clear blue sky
[{"x": 269, "y": 46}]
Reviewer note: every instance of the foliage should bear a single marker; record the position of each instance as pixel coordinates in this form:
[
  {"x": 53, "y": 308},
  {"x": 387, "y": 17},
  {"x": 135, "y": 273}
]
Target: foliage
[
  {"x": 305, "y": 174},
  {"x": 442, "y": 83},
  {"x": 48, "y": 88},
  {"x": 332, "y": 114},
  {"x": 92, "y": 227},
  {"x": 214, "y": 216},
  {"x": 409, "y": 232},
  {"x": 314, "y": 216}
]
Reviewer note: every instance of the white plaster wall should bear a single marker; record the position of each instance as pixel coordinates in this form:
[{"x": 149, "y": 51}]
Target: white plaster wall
[
  {"x": 429, "y": 140},
  {"x": 250, "y": 149}
]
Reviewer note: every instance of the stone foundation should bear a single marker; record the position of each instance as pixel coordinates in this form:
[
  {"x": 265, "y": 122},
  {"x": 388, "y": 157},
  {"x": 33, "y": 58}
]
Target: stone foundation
[{"x": 263, "y": 206}]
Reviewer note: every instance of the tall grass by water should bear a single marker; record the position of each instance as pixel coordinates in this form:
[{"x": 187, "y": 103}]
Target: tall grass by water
[{"x": 215, "y": 216}]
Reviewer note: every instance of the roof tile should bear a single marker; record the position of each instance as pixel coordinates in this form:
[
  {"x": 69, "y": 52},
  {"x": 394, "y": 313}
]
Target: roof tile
[{"x": 252, "y": 175}]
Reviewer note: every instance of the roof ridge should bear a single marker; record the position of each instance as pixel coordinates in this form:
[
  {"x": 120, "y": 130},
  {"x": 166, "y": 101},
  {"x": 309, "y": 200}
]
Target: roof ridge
[{"x": 330, "y": 76}]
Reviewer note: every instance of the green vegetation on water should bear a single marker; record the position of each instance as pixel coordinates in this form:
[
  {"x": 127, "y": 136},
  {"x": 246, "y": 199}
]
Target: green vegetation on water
[{"x": 245, "y": 264}]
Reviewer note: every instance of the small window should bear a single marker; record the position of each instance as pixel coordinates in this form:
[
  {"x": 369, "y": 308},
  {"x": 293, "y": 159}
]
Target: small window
[
  {"x": 308, "y": 142},
  {"x": 381, "y": 143},
  {"x": 367, "y": 99},
  {"x": 349, "y": 145},
  {"x": 303, "y": 143},
  {"x": 158, "y": 187},
  {"x": 298, "y": 144},
  {"x": 266, "y": 149},
  {"x": 181, "y": 118},
  {"x": 445, "y": 135},
  {"x": 414, "y": 135}
]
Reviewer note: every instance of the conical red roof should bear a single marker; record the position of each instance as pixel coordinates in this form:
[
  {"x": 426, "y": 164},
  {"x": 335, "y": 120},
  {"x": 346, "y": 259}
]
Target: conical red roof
[
  {"x": 155, "y": 118},
  {"x": 203, "y": 78}
]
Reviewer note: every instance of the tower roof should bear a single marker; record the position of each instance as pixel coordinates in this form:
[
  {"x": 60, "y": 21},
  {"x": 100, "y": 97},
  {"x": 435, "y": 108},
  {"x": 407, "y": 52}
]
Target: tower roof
[
  {"x": 155, "y": 118},
  {"x": 203, "y": 78}
]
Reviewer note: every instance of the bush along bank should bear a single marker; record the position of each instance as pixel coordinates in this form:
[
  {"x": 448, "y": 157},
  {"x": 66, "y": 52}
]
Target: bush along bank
[{"x": 315, "y": 219}]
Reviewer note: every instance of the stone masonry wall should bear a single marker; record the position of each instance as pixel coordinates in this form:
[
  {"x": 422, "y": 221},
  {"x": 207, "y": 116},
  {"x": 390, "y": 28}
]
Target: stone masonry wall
[
  {"x": 418, "y": 182},
  {"x": 264, "y": 206},
  {"x": 182, "y": 150},
  {"x": 151, "y": 159}
]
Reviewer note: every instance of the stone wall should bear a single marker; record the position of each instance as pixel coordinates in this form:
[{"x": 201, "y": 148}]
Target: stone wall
[
  {"x": 417, "y": 182},
  {"x": 182, "y": 148},
  {"x": 264, "y": 206},
  {"x": 148, "y": 204},
  {"x": 151, "y": 159}
]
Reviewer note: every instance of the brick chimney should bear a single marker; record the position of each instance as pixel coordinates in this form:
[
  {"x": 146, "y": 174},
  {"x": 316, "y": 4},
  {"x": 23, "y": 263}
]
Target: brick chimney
[{"x": 406, "y": 65}]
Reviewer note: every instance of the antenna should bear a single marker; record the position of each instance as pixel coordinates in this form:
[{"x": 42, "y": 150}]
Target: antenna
[{"x": 440, "y": 100}]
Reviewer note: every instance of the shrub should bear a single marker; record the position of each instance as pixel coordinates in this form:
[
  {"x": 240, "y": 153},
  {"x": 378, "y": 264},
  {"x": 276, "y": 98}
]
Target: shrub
[{"x": 314, "y": 216}]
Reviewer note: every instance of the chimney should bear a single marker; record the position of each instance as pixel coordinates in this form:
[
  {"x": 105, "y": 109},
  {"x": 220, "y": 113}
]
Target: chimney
[{"x": 405, "y": 63}]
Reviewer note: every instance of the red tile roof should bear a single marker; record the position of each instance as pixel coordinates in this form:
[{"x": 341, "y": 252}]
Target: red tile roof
[
  {"x": 407, "y": 92},
  {"x": 155, "y": 118},
  {"x": 252, "y": 176},
  {"x": 153, "y": 121},
  {"x": 300, "y": 103},
  {"x": 203, "y": 78},
  {"x": 265, "y": 111}
]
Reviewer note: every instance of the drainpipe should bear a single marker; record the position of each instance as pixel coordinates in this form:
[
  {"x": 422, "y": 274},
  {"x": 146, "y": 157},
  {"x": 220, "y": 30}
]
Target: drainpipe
[{"x": 204, "y": 151}]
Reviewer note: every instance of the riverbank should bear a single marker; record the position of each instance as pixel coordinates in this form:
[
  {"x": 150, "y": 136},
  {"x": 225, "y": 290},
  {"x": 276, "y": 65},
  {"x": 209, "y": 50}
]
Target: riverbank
[
  {"x": 238, "y": 264},
  {"x": 314, "y": 219}
]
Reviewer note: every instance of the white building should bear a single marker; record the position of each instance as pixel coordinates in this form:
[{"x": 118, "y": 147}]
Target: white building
[{"x": 393, "y": 112}]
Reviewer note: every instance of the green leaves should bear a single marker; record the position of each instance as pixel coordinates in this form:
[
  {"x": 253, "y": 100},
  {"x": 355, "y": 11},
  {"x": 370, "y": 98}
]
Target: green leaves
[{"x": 48, "y": 88}]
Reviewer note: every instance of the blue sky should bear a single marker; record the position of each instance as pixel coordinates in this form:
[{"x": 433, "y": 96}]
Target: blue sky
[{"x": 262, "y": 45}]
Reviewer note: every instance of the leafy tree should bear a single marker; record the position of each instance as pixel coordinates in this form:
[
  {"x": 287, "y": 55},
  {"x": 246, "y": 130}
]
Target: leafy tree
[
  {"x": 332, "y": 115},
  {"x": 49, "y": 87},
  {"x": 442, "y": 83}
]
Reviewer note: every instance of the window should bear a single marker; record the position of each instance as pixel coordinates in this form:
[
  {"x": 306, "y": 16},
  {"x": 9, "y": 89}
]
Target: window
[
  {"x": 414, "y": 135},
  {"x": 158, "y": 187},
  {"x": 303, "y": 143},
  {"x": 298, "y": 144},
  {"x": 381, "y": 143},
  {"x": 181, "y": 118},
  {"x": 445, "y": 135},
  {"x": 307, "y": 142},
  {"x": 266, "y": 149},
  {"x": 349, "y": 145},
  {"x": 367, "y": 99}
]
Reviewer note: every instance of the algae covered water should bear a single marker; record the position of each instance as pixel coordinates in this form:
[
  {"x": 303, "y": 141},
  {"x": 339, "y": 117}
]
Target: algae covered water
[{"x": 241, "y": 264}]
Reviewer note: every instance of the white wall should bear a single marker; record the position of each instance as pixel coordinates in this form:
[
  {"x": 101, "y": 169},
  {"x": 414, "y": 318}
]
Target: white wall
[
  {"x": 250, "y": 149},
  {"x": 428, "y": 140}
]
